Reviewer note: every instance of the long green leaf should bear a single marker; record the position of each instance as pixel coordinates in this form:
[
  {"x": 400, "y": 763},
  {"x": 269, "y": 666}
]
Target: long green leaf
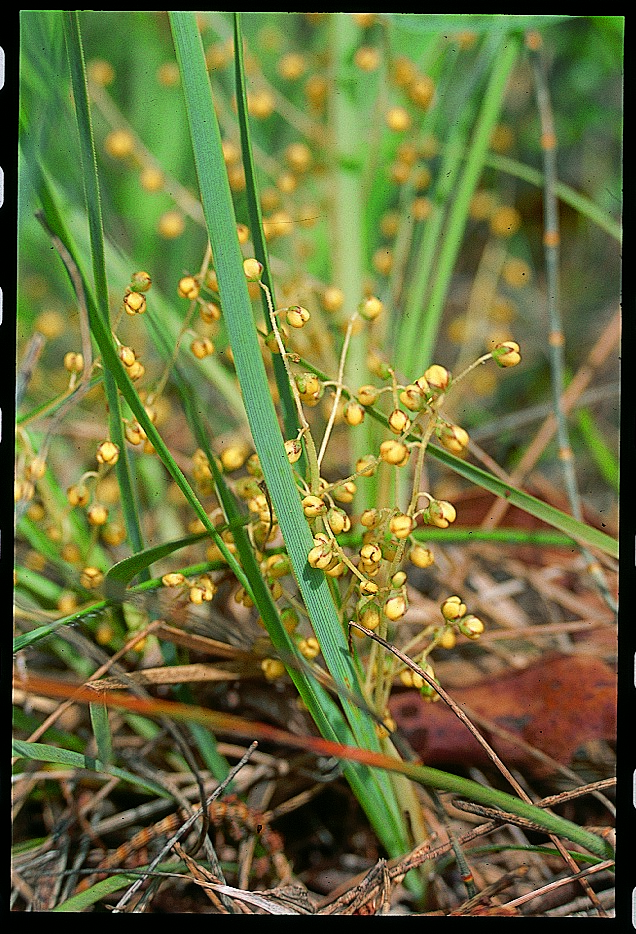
[
  {"x": 93, "y": 204},
  {"x": 44, "y": 753},
  {"x": 376, "y": 795}
]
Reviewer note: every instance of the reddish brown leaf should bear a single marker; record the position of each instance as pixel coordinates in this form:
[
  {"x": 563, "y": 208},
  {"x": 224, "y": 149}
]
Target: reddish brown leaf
[{"x": 556, "y": 705}]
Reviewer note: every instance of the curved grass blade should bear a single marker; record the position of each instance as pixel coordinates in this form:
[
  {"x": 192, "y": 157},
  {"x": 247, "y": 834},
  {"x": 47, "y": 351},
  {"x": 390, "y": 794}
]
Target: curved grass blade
[{"x": 42, "y": 752}]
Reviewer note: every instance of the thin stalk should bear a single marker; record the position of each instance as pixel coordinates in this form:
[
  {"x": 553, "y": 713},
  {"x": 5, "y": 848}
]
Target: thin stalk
[{"x": 556, "y": 336}]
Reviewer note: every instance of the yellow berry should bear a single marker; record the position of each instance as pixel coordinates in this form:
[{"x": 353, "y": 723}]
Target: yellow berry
[{"x": 412, "y": 397}]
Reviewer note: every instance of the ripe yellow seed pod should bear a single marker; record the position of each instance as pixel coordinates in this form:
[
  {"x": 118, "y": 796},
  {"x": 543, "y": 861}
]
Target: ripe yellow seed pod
[
  {"x": 366, "y": 466},
  {"x": 188, "y": 287},
  {"x": 73, "y": 362},
  {"x": 401, "y": 525},
  {"x": 344, "y": 492},
  {"x": 411, "y": 679},
  {"x": 367, "y": 395},
  {"x": 394, "y": 452},
  {"x": 399, "y": 421},
  {"x": 421, "y": 556},
  {"x": 440, "y": 513},
  {"x": 234, "y": 457},
  {"x": 471, "y": 626},
  {"x": 253, "y": 269},
  {"x": 453, "y": 609},
  {"x": 338, "y": 520},
  {"x": 91, "y": 578},
  {"x": 78, "y": 495},
  {"x": 293, "y": 449},
  {"x": 107, "y": 453},
  {"x": 453, "y": 438},
  {"x": 395, "y": 607},
  {"x": 448, "y": 639},
  {"x": 313, "y": 506},
  {"x": 412, "y": 397},
  {"x": 297, "y": 316},
  {"x": 97, "y": 514},
  {"x": 202, "y": 347},
  {"x": 370, "y": 308},
  {"x": 134, "y": 303},
  {"x": 437, "y": 377},
  {"x": 506, "y": 354},
  {"x": 398, "y": 580},
  {"x": 353, "y": 413},
  {"x": 173, "y": 579},
  {"x": 371, "y": 553},
  {"x": 272, "y": 668},
  {"x": 368, "y": 588},
  {"x": 309, "y": 648}
]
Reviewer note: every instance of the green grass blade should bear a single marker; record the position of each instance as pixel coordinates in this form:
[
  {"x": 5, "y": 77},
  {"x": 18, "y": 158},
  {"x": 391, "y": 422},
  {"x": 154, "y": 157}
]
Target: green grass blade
[
  {"x": 290, "y": 417},
  {"x": 102, "y": 732},
  {"x": 42, "y": 752},
  {"x": 376, "y": 795},
  {"x": 93, "y": 202}
]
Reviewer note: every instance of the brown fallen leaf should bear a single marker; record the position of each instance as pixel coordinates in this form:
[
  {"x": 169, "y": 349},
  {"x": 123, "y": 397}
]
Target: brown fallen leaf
[{"x": 556, "y": 706}]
